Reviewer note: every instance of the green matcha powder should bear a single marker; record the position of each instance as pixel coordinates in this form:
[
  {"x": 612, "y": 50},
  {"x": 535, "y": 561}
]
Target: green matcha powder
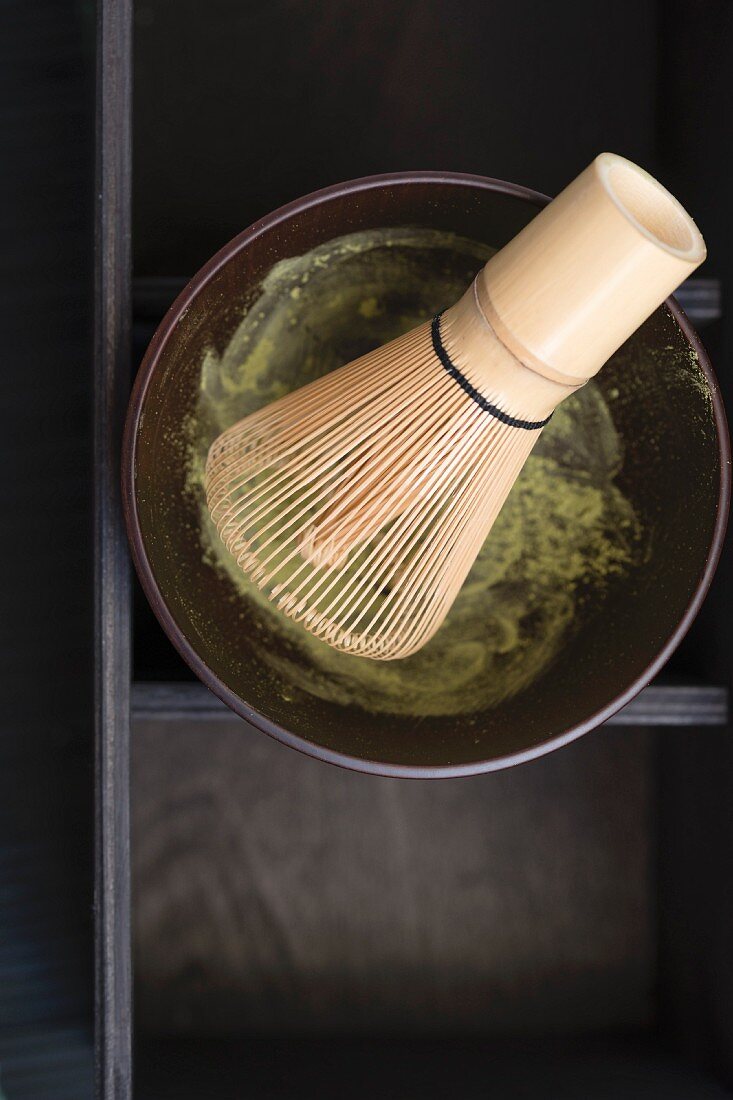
[{"x": 566, "y": 529}]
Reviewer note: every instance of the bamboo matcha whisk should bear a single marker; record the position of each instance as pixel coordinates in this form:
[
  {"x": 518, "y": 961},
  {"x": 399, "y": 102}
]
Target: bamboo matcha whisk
[{"x": 358, "y": 504}]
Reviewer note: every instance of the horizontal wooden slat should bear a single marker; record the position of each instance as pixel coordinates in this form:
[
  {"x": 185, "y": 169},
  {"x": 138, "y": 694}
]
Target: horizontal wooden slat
[
  {"x": 174, "y": 1068},
  {"x": 700, "y": 298},
  {"x": 658, "y": 705},
  {"x": 676, "y": 705}
]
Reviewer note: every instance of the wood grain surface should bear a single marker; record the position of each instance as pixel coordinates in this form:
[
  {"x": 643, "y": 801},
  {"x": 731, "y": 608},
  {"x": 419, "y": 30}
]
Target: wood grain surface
[
  {"x": 276, "y": 893},
  {"x": 112, "y": 626}
]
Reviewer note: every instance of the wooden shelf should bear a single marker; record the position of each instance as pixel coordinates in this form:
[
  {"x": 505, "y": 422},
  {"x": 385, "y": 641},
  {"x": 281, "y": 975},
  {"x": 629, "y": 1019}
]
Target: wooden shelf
[
  {"x": 657, "y": 705},
  {"x": 699, "y": 297},
  {"x": 279, "y": 1068}
]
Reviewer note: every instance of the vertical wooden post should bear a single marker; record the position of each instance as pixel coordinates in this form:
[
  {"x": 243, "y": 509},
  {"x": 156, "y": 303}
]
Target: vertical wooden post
[{"x": 112, "y": 582}]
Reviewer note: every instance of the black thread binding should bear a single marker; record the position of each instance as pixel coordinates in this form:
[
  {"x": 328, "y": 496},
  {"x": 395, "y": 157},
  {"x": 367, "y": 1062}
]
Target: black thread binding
[{"x": 453, "y": 371}]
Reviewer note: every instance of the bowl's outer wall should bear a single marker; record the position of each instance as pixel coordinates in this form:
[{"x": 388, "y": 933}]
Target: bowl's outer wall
[{"x": 676, "y": 475}]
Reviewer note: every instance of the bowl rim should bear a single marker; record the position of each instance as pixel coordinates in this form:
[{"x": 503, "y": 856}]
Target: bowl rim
[{"x": 210, "y": 679}]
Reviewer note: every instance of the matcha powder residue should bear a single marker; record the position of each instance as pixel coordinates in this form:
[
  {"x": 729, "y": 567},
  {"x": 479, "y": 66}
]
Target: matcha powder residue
[{"x": 565, "y": 531}]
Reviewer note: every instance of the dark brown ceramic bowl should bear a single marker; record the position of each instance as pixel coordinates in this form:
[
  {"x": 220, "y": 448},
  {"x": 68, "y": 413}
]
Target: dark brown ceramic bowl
[{"x": 676, "y": 473}]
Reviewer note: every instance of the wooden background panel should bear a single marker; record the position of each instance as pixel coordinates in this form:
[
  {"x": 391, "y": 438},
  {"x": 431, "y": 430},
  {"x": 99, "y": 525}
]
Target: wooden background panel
[
  {"x": 242, "y": 107},
  {"x": 275, "y": 892}
]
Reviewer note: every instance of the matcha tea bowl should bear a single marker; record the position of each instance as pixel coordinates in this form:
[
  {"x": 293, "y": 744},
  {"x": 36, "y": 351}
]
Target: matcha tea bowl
[{"x": 590, "y": 577}]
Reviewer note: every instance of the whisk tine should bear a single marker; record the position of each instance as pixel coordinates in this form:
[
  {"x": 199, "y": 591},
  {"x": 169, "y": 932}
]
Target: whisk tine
[{"x": 349, "y": 505}]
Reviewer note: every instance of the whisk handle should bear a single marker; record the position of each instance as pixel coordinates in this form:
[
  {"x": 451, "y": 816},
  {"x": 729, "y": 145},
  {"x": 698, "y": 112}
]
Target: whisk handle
[{"x": 590, "y": 268}]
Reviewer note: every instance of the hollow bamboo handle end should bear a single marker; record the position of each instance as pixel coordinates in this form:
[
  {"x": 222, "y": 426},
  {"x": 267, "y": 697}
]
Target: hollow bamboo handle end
[{"x": 569, "y": 289}]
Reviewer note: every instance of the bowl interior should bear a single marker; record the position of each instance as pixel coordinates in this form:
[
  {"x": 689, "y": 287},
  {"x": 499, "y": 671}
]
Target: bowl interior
[{"x": 654, "y": 398}]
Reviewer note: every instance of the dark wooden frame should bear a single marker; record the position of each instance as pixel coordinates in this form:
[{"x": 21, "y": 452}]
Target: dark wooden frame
[{"x": 674, "y": 705}]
